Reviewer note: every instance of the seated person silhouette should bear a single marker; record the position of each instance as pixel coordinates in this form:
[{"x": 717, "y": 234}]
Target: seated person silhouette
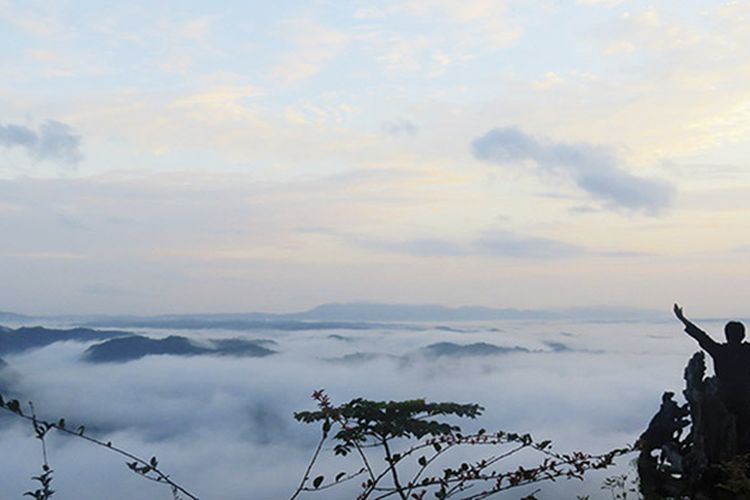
[{"x": 731, "y": 364}]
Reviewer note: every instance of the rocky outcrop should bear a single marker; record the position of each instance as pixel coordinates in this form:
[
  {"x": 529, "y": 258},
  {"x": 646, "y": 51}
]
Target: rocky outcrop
[{"x": 694, "y": 450}]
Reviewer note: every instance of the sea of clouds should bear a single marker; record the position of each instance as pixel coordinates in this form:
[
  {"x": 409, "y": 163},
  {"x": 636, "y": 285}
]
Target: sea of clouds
[{"x": 223, "y": 426}]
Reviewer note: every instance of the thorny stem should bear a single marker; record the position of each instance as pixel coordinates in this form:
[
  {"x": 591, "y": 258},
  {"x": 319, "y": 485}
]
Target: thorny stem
[
  {"x": 161, "y": 477},
  {"x": 459, "y": 483},
  {"x": 392, "y": 466},
  {"x": 365, "y": 461},
  {"x": 41, "y": 436},
  {"x": 314, "y": 458},
  {"x": 460, "y": 486},
  {"x": 548, "y": 477},
  {"x": 452, "y": 482},
  {"x": 374, "y": 485},
  {"x": 422, "y": 469},
  {"x": 331, "y": 484}
]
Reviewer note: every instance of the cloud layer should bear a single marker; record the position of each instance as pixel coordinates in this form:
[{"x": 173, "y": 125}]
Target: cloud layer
[
  {"x": 593, "y": 168},
  {"x": 218, "y": 423},
  {"x": 491, "y": 243},
  {"x": 54, "y": 141}
]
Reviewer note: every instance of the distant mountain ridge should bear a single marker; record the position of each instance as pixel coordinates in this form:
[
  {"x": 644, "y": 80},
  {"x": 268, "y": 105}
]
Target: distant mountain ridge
[
  {"x": 9, "y": 317},
  {"x": 17, "y": 340},
  {"x": 353, "y": 315},
  {"x": 365, "y": 311}
]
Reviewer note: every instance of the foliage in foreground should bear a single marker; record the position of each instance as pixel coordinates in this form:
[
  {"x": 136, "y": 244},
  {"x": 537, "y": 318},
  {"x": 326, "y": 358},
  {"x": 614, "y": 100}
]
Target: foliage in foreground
[{"x": 400, "y": 446}]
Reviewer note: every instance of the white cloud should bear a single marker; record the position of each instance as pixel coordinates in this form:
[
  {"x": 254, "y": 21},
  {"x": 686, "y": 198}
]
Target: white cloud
[
  {"x": 490, "y": 243},
  {"x": 606, "y": 3},
  {"x": 42, "y": 55},
  {"x": 315, "y": 46},
  {"x": 621, "y": 47},
  {"x": 550, "y": 80},
  {"x": 197, "y": 29},
  {"x": 491, "y": 25},
  {"x": 220, "y": 97}
]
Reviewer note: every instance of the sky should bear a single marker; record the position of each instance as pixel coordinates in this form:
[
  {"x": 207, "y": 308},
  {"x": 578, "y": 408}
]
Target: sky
[{"x": 237, "y": 156}]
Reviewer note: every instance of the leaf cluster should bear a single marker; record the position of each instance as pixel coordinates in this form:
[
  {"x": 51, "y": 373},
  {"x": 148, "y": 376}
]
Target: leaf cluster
[
  {"x": 45, "y": 480},
  {"x": 411, "y": 436},
  {"x": 363, "y": 420}
]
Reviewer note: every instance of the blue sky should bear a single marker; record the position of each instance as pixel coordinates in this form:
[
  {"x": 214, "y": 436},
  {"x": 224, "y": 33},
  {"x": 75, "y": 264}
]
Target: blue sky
[{"x": 230, "y": 156}]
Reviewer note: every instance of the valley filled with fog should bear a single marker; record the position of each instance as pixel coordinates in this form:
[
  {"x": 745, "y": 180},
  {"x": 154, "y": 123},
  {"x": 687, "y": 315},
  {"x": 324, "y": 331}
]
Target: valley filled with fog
[
  {"x": 221, "y": 422},
  {"x": 480, "y": 201}
]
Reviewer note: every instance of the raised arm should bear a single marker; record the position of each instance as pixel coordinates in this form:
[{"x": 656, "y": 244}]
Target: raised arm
[{"x": 706, "y": 342}]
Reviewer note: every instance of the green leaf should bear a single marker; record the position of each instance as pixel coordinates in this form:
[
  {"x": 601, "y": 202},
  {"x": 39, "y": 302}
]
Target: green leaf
[
  {"x": 422, "y": 461},
  {"x": 14, "y": 406},
  {"x": 318, "y": 481}
]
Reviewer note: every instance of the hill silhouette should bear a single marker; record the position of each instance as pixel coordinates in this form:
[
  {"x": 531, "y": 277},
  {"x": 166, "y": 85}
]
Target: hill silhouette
[
  {"x": 22, "y": 339},
  {"x": 137, "y": 346}
]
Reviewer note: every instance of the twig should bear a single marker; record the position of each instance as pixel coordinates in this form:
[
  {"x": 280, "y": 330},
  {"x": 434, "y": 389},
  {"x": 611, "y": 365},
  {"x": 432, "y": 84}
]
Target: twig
[
  {"x": 139, "y": 465},
  {"x": 310, "y": 465}
]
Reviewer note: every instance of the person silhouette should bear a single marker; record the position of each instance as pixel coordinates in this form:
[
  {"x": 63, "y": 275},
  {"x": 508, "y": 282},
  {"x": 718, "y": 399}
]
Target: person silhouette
[{"x": 731, "y": 364}]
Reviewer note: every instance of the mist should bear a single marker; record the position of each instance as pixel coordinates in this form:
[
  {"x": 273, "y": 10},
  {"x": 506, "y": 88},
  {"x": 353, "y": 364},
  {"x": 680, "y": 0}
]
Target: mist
[{"x": 222, "y": 426}]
